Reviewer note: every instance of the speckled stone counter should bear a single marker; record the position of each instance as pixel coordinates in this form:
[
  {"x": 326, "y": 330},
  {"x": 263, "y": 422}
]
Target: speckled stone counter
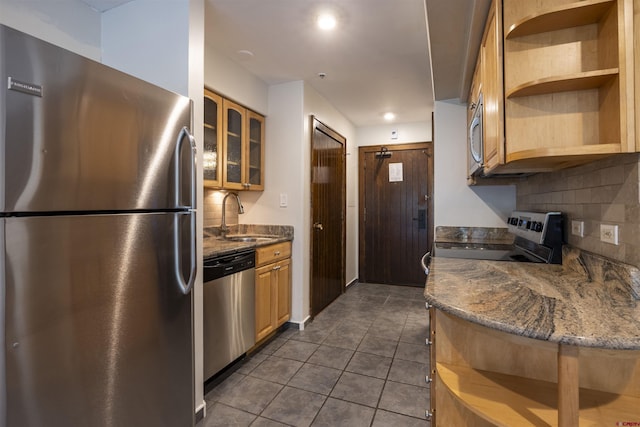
[
  {"x": 215, "y": 245},
  {"x": 588, "y": 301}
]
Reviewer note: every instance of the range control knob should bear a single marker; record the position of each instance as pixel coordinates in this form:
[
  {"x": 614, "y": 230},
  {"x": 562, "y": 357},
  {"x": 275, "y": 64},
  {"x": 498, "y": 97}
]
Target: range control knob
[{"x": 537, "y": 227}]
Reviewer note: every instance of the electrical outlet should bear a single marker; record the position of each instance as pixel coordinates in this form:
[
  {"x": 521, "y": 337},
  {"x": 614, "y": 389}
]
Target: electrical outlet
[
  {"x": 577, "y": 228},
  {"x": 609, "y": 233}
]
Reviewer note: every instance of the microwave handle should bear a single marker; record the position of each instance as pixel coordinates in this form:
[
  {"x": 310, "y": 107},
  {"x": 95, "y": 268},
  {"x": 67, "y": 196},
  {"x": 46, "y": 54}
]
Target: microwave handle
[{"x": 476, "y": 152}]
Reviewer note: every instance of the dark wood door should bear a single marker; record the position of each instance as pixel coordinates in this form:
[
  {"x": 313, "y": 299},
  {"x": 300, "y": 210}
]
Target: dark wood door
[
  {"x": 327, "y": 216},
  {"x": 395, "y": 212}
]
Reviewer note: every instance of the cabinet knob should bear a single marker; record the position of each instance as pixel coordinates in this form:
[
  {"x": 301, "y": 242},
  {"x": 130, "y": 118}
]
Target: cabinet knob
[
  {"x": 427, "y": 305},
  {"x": 428, "y": 379},
  {"x": 318, "y": 226},
  {"x": 428, "y": 414},
  {"x": 428, "y": 341},
  {"x": 277, "y": 267},
  {"x": 276, "y": 253}
]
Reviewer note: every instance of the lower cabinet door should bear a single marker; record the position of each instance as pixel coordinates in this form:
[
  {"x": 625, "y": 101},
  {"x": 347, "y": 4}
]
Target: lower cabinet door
[
  {"x": 265, "y": 302},
  {"x": 283, "y": 279}
]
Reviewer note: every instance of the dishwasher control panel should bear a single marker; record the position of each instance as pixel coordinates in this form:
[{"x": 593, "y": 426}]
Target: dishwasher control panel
[{"x": 225, "y": 265}]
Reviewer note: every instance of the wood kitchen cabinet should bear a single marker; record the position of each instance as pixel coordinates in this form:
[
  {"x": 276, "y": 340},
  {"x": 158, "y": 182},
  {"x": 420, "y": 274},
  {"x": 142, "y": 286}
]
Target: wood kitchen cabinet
[
  {"x": 273, "y": 288},
  {"x": 491, "y": 78},
  {"x": 243, "y": 168},
  {"x": 567, "y": 69},
  {"x": 568, "y": 73},
  {"x": 235, "y": 160},
  {"x": 212, "y": 145},
  {"x": 485, "y": 377}
]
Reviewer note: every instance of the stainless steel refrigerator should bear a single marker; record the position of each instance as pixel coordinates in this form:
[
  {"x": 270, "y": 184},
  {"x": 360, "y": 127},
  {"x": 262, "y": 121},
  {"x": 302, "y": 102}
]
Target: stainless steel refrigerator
[{"x": 97, "y": 249}]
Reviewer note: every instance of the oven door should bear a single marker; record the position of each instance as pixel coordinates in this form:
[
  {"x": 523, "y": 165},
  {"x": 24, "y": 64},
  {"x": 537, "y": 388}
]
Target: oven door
[{"x": 476, "y": 150}]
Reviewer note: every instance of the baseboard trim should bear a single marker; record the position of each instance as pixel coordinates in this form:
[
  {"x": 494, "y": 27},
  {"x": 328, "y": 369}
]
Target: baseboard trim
[
  {"x": 301, "y": 325},
  {"x": 201, "y": 412},
  {"x": 351, "y": 283}
]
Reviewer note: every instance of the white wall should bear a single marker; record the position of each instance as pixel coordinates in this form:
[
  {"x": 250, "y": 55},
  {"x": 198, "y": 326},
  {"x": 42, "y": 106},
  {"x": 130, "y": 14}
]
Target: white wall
[
  {"x": 318, "y": 106},
  {"x": 455, "y": 203},
  {"x": 234, "y": 82},
  {"x": 69, "y": 24},
  {"x": 381, "y": 134},
  {"x": 157, "y": 52},
  {"x": 196, "y": 93},
  {"x": 284, "y": 173}
]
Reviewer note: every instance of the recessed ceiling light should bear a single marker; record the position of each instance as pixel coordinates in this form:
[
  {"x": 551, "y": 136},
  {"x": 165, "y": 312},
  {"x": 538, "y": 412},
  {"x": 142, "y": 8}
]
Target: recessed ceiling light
[
  {"x": 326, "y": 22},
  {"x": 389, "y": 116}
]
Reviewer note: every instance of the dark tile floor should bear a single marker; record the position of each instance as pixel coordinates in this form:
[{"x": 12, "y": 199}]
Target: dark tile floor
[{"x": 361, "y": 362}]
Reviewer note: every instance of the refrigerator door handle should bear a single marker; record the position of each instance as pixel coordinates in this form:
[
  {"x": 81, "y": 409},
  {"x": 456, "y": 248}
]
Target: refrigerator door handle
[
  {"x": 184, "y": 132},
  {"x": 185, "y": 285}
]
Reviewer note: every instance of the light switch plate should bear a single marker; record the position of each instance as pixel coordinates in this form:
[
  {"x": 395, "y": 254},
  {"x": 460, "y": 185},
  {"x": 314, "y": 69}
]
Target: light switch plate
[
  {"x": 609, "y": 233},
  {"x": 284, "y": 200},
  {"x": 577, "y": 228}
]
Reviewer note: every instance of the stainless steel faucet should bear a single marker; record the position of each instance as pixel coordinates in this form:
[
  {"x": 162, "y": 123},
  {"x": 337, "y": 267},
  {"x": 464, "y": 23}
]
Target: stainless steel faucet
[{"x": 223, "y": 227}]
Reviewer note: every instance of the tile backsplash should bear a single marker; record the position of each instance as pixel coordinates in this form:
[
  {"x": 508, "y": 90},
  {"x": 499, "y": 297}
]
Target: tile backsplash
[
  {"x": 602, "y": 192},
  {"x": 213, "y": 209}
]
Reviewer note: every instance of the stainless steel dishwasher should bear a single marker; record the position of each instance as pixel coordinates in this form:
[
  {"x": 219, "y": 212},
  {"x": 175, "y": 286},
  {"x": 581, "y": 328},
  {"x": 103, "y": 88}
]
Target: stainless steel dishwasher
[{"x": 229, "y": 309}]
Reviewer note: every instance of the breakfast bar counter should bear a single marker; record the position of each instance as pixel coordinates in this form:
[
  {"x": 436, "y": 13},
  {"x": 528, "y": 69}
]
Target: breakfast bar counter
[
  {"x": 589, "y": 301},
  {"x": 534, "y": 344}
]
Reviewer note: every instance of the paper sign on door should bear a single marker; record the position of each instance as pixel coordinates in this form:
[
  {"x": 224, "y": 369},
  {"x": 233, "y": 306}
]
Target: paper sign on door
[{"x": 395, "y": 172}]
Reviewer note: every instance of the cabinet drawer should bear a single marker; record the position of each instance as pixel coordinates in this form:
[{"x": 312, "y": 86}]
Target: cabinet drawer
[{"x": 271, "y": 253}]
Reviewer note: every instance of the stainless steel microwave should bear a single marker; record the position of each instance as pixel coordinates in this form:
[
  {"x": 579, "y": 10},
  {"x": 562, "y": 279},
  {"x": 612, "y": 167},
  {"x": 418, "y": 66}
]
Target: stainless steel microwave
[{"x": 476, "y": 149}]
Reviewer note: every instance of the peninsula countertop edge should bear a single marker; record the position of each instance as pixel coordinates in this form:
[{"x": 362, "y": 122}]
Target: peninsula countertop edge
[{"x": 589, "y": 301}]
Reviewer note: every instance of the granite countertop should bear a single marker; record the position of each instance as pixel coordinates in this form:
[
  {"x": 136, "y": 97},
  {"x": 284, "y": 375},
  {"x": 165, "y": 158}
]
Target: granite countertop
[
  {"x": 588, "y": 301},
  {"x": 215, "y": 245}
]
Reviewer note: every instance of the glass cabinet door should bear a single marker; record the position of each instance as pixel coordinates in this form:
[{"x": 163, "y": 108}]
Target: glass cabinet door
[
  {"x": 234, "y": 137},
  {"x": 255, "y": 152},
  {"x": 211, "y": 156}
]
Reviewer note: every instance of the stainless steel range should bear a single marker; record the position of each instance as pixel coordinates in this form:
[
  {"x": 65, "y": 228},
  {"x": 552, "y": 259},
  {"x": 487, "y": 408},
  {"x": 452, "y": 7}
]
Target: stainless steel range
[{"x": 538, "y": 238}]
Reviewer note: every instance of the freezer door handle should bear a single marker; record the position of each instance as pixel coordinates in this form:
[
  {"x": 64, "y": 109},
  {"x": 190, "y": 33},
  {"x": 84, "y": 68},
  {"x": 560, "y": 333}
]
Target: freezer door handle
[
  {"x": 185, "y": 135},
  {"x": 185, "y": 285}
]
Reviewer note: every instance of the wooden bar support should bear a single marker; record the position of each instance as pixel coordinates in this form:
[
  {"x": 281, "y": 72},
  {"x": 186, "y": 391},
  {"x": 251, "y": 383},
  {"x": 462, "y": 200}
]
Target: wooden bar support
[{"x": 568, "y": 386}]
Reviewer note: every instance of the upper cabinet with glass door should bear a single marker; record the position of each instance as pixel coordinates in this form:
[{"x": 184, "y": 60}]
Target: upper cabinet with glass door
[
  {"x": 234, "y": 142},
  {"x": 237, "y": 161},
  {"x": 255, "y": 152},
  {"x": 211, "y": 158}
]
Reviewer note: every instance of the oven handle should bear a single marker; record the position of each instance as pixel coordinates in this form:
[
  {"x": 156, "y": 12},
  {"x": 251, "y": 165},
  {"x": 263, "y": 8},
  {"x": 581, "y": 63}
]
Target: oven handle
[{"x": 423, "y": 263}]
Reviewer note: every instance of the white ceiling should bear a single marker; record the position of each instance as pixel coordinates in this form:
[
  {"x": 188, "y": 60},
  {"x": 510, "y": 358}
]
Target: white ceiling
[
  {"x": 103, "y": 5},
  {"x": 455, "y": 32},
  {"x": 376, "y": 60}
]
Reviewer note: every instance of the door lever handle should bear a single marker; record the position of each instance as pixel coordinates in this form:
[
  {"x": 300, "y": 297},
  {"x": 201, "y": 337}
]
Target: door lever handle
[{"x": 318, "y": 226}]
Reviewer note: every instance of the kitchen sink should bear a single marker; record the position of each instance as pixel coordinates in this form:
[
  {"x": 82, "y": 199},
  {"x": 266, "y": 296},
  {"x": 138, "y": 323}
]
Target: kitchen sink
[{"x": 250, "y": 237}]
